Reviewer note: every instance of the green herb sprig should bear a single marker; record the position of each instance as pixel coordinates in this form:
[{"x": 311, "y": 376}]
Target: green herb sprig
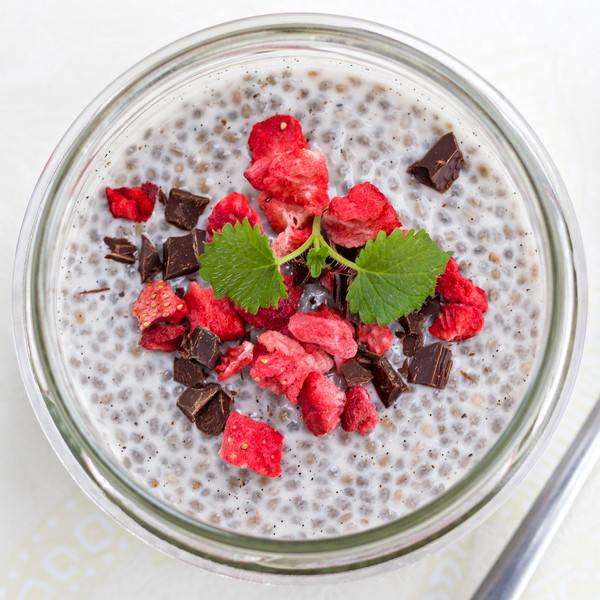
[{"x": 394, "y": 273}]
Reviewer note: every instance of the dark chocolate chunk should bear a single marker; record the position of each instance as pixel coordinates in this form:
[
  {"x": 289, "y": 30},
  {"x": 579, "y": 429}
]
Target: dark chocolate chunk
[
  {"x": 183, "y": 209},
  {"x": 400, "y": 335},
  {"x": 341, "y": 283},
  {"x": 355, "y": 374},
  {"x": 203, "y": 346},
  {"x": 439, "y": 168},
  {"x": 412, "y": 323},
  {"x": 403, "y": 370},
  {"x": 212, "y": 418},
  {"x": 301, "y": 272},
  {"x": 431, "y": 366},
  {"x": 193, "y": 400},
  {"x": 411, "y": 343},
  {"x": 181, "y": 253},
  {"x": 387, "y": 382},
  {"x": 187, "y": 372},
  {"x": 364, "y": 356},
  {"x": 121, "y": 250},
  {"x": 150, "y": 263},
  {"x": 432, "y": 307}
]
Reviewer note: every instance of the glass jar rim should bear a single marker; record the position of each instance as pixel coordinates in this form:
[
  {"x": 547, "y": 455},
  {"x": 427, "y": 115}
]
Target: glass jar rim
[{"x": 518, "y": 446}]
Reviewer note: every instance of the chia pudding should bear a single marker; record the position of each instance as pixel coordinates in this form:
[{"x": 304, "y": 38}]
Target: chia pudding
[{"x": 370, "y": 128}]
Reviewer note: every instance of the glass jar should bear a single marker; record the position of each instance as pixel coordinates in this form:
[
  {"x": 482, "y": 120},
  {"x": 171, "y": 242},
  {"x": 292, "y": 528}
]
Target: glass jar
[{"x": 247, "y": 43}]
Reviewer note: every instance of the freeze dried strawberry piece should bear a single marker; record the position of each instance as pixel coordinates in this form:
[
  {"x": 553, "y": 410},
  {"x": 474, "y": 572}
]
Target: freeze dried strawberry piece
[
  {"x": 284, "y": 214},
  {"x": 321, "y": 403},
  {"x": 234, "y": 360},
  {"x": 323, "y": 362},
  {"x": 136, "y": 203},
  {"x": 457, "y": 322},
  {"x": 250, "y": 444},
  {"x": 280, "y": 364},
  {"x": 157, "y": 303},
  {"x": 218, "y": 315},
  {"x": 275, "y": 318},
  {"x": 326, "y": 280},
  {"x": 456, "y": 288},
  {"x": 359, "y": 413},
  {"x": 288, "y": 240},
  {"x": 377, "y": 338},
  {"x": 277, "y": 134},
  {"x": 299, "y": 177},
  {"x": 353, "y": 220},
  {"x": 332, "y": 335},
  {"x": 166, "y": 338},
  {"x": 335, "y": 315},
  {"x": 233, "y": 208}
]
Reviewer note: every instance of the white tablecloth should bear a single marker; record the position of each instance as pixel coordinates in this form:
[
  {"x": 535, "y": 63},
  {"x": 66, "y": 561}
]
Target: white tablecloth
[{"x": 56, "y": 56}]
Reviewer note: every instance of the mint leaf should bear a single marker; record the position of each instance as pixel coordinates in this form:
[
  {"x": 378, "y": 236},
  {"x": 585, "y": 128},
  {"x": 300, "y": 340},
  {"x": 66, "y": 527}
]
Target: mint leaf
[
  {"x": 239, "y": 264},
  {"x": 315, "y": 259},
  {"x": 395, "y": 275}
]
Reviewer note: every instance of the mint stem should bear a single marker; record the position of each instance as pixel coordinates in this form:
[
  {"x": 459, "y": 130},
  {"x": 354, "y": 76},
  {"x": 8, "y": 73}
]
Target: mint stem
[{"x": 318, "y": 241}]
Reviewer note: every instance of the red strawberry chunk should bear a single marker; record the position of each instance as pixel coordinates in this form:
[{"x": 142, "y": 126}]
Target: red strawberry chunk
[
  {"x": 284, "y": 214},
  {"x": 353, "y": 220},
  {"x": 326, "y": 280},
  {"x": 133, "y": 203},
  {"x": 321, "y": 403},
  {"x": 166, "y": 338},
  {"x": 457, "y": 322},
  {"x": 288, "y": 240},
  {"x": 455, "y": 288},
  {"x": 250, "y": 444},
  {"x": 157, "y": 303},
  {"x": 377, "y": 338},
  {"x": 233, "y": 208},
  {"x": 359, "y": 413},
  {"x": 234, "y": 360},
  {"x": 279, "y": 133},
  {"x": 218, "y": 315},
  {"x": 335, "y": 315},
  {"x": 275, "y": 318},
  {"x": 280, "y": 364},
  {"x": 332, "y": 335},
  {"x": 323, "y": 362},
  {"x": 299, "y": 177}
]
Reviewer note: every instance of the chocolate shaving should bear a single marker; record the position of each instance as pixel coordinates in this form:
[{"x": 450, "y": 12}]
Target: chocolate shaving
[
  {"x": 183, "y": 209},
  {"x": 203, "y": 346},
  {"x": 440, "y": 167},
  {"x": 180, "y": 254},
  {"x": 431, "y": 366},
  {"x": 149, "y": 260},
  {"x": 193, "y": 400},
  {"x": 355, "y": 374},
  {"x": 187, "y": 372},
  {"x": 121, "y": 250},
  {"x": 387, "y": 382},
  {"x": 105, "y": 289},
  {"x": 213, "y": 416}
]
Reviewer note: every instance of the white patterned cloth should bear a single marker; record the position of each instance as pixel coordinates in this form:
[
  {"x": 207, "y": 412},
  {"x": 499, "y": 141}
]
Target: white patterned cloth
[{"x": 57, "y": 55}]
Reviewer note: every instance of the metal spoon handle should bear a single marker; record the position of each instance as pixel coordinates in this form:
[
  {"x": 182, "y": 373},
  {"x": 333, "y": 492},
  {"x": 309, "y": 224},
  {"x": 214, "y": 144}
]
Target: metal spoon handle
[{"x": 511, "y": 572}]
